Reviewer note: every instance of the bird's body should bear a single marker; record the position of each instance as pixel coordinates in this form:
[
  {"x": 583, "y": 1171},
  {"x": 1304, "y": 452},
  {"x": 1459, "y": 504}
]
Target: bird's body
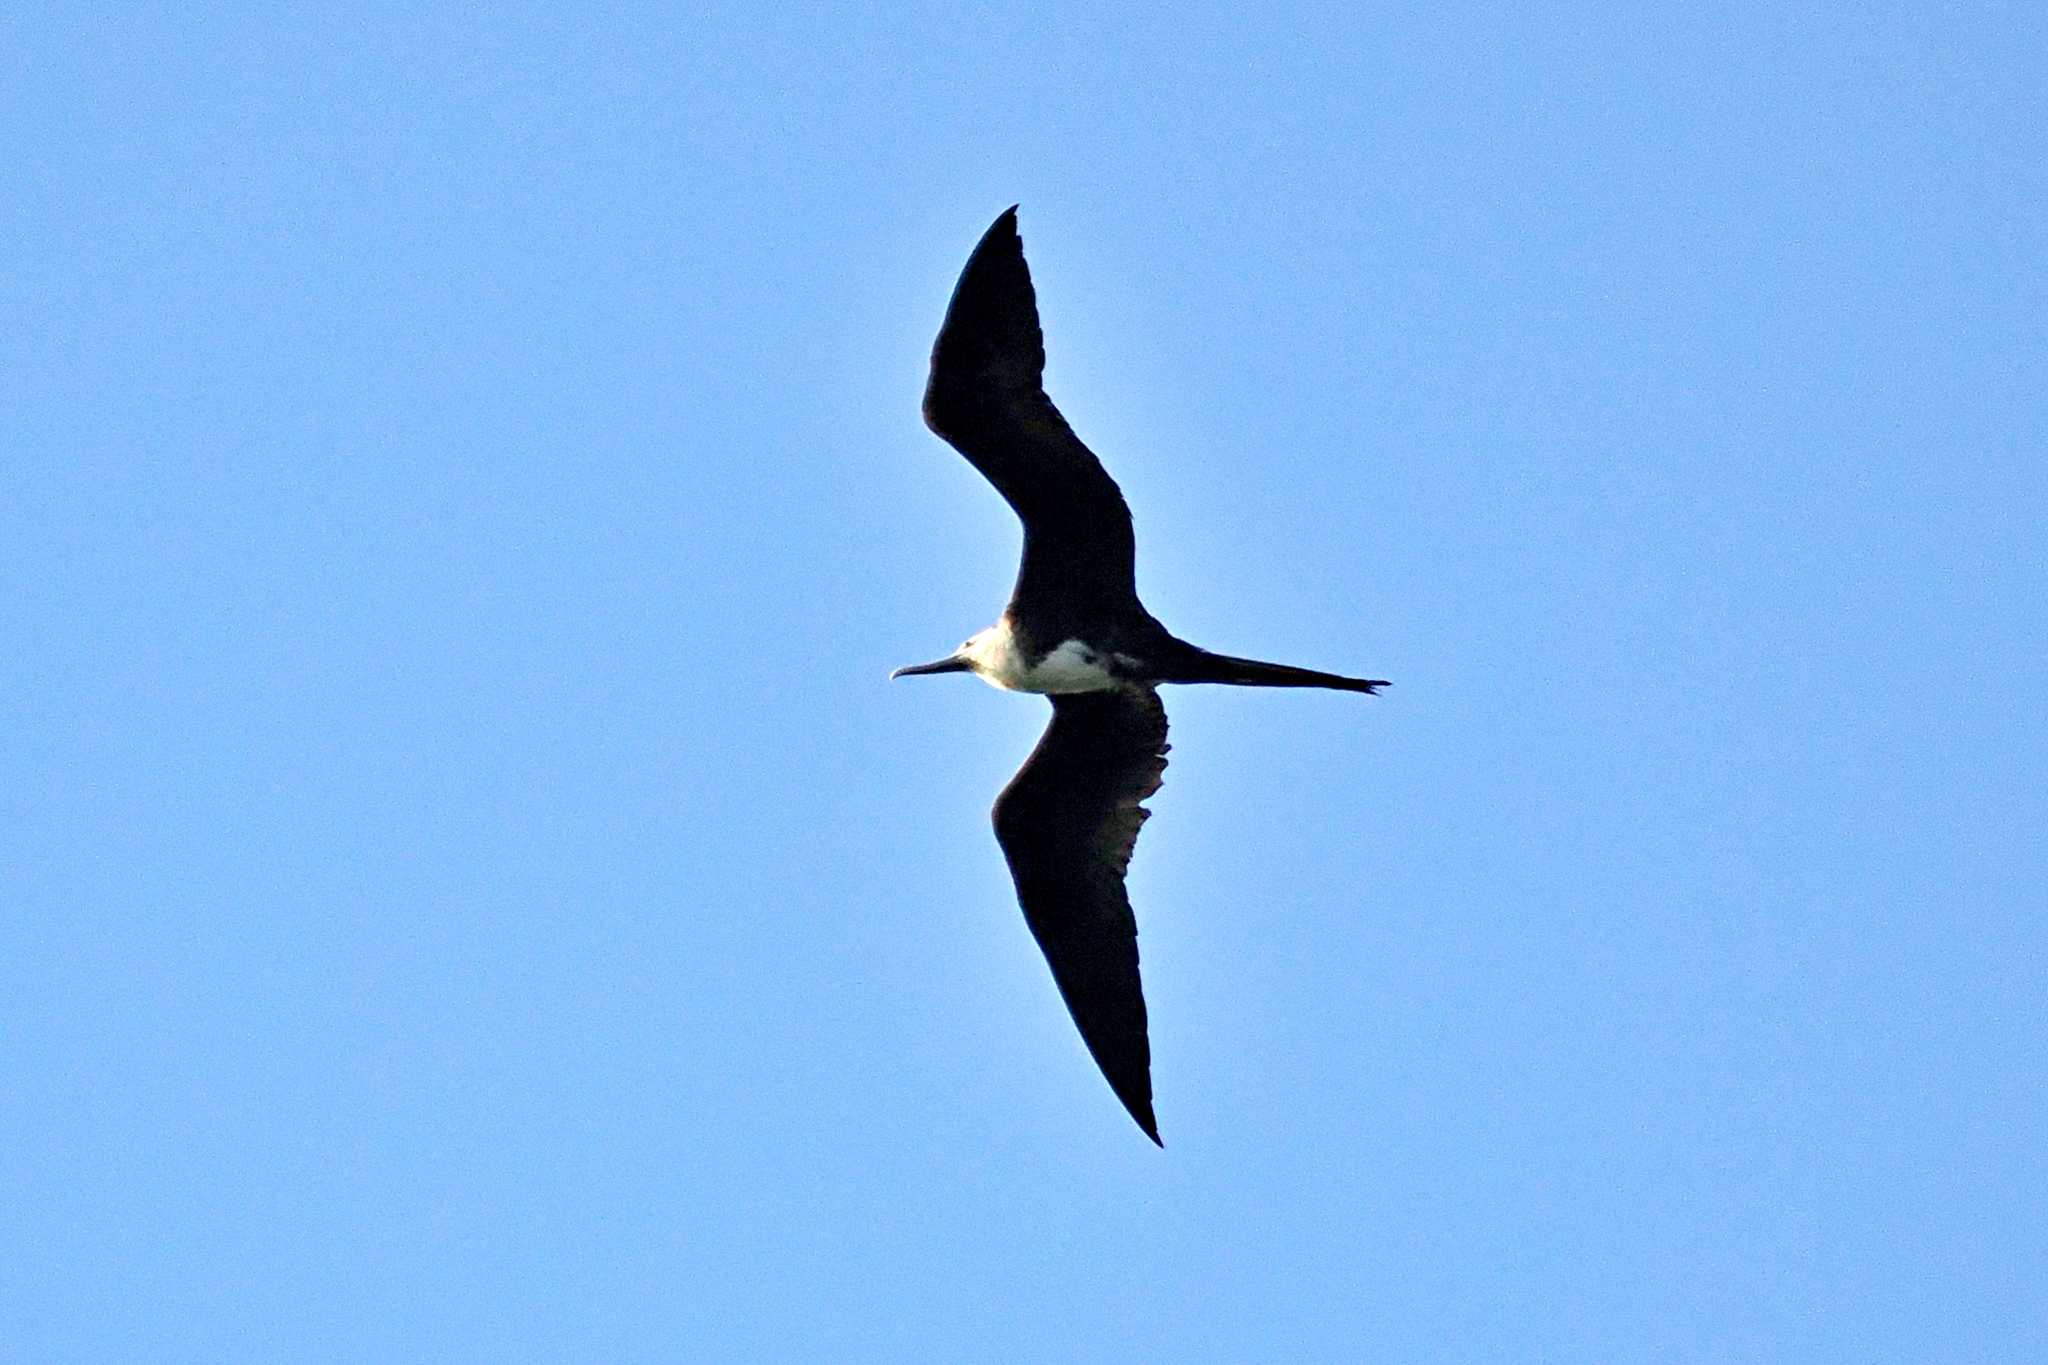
[
  {"x": 1074, "y": 630},
  {"x": 1007, "y": 657}
]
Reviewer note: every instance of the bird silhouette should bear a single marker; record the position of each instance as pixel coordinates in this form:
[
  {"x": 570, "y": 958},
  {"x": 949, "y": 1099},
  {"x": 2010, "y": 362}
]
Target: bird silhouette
[{"x": 1075, "y": 631}]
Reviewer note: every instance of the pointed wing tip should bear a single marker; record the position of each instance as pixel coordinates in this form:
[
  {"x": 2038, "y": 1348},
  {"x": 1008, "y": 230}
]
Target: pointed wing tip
[
  {"x": 989, "y": 358},
  {"x": 1135, "y": 1094},
  {"x": 1003, "y": 229},
  {"x": 1139, "y": 1106}
]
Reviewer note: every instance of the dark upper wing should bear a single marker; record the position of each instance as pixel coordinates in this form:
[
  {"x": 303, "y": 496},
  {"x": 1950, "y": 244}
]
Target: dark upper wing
[
  {"x": 1067, "y": 823},
  {"x": 986, "y": 398}
]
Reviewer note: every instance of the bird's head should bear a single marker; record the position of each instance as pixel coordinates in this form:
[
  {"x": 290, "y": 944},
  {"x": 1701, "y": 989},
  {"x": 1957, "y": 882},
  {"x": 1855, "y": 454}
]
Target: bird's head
[{"x": 991, "y": 653}]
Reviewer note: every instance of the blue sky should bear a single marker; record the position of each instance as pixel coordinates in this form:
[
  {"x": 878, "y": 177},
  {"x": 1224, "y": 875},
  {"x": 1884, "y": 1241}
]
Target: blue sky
[{"x": 468, "y": 892}]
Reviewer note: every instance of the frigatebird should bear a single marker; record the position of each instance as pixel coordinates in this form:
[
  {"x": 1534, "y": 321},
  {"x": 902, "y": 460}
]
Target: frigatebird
[{"x": 1075, "y": 631}]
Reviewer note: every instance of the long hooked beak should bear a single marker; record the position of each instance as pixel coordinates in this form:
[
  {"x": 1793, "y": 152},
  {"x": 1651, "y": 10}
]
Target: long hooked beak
[{"x": 952, "y": 663}]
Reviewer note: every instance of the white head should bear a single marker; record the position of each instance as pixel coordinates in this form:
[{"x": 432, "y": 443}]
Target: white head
[
  {"x": 995, "y": 655},
  {"x": 971, "y": 657}
]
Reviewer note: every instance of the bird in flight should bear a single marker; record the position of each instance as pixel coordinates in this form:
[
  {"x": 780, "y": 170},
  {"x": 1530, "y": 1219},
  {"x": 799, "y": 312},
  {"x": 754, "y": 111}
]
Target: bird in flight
[{"x": 1075, "y": 631}]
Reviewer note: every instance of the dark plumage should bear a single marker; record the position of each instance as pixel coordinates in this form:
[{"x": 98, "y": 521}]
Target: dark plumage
[
  {"x": 1067, "y": 823},
  {"x": 984, "y": 397},
  {"x": 1074, "y": 629}
]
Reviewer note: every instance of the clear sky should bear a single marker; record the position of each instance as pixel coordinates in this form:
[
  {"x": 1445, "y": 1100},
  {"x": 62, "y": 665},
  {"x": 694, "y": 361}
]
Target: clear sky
[{"x": 467, "y": 890}]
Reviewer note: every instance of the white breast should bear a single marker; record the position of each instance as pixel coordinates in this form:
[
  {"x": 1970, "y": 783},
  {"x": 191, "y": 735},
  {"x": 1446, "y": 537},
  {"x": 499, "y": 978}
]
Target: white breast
[{"x": 1072, "y": 667}]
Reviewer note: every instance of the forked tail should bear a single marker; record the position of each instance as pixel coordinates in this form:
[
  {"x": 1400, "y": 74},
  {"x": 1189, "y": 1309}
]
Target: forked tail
[{"x": 1200, "y": 666}]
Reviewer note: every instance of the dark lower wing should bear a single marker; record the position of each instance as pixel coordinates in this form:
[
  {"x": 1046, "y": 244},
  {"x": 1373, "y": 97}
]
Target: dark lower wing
[
  {"x": 986, "y": 398},
  {"x": 1067, "y": 823}
]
